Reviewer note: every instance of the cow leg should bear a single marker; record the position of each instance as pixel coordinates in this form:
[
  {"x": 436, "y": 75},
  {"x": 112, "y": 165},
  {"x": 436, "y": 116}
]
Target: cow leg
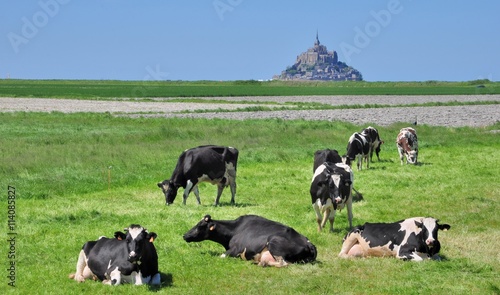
[
  {"x": 331, "y": 218},
  {"x": 197, "y": 194},
  {"x": 318, "y": 215},
  {"x": 350, "y": 242},
  {"x": 137, "y": 278},
  {"x": 189, "y": 186},
  {"x": 400, "y": 151},
  {"x": 265, "y": 258},
  {"x": 232, "y": 186},
  {"x": 349, "y": 210},
  {"x": 81, "y": 269},
  {"x": 231, "y": 179},
  {"x": 115, "y": 278},
  {"x": 220, "y": 189}
]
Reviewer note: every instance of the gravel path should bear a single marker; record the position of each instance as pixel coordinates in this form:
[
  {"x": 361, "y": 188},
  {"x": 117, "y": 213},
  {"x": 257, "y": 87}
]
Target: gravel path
[{"x": 453, "y": 116}]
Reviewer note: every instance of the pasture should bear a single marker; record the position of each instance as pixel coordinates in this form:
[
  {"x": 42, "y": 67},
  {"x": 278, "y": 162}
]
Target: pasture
[
  {"x": 80, "y": 176},
  {"x": 106, "y": 89}
]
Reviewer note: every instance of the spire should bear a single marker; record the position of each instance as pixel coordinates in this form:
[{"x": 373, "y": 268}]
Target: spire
[{"x": 317, "y": 39}]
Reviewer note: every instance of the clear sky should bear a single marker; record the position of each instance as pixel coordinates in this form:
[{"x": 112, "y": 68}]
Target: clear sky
[{"x": 387, "y": 40}]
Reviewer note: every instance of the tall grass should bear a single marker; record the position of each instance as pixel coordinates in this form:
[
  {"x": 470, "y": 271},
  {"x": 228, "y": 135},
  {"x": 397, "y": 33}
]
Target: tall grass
[{"x": 68, "y": 194}]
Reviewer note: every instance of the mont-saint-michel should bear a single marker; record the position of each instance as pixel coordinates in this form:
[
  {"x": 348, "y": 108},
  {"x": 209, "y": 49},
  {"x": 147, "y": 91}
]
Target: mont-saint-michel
[{"x": 317, "y": 63}]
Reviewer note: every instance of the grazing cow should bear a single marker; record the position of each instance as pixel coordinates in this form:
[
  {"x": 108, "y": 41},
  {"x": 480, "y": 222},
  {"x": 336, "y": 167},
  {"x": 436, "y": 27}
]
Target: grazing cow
[
  {"x": 252, "y": 237},
  {"x": 373, "y": 137},
  {"x": 214, "y": 164},
  {"x": 331, "y": 189},
  {"x": 129, "y": 257},
  {"x": 407, "y": 144},
  {"x": 410, "y": 239},
  {"x": 326, "y": 155},
  {"x": 359, "y": 147}
]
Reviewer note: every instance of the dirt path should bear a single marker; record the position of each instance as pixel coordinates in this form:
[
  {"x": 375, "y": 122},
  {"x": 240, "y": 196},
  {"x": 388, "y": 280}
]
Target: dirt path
[{"x": 453, "y": 116}]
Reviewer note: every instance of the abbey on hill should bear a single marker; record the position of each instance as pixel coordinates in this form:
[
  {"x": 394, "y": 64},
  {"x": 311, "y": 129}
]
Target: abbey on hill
[{"x": 317, "y": 63}]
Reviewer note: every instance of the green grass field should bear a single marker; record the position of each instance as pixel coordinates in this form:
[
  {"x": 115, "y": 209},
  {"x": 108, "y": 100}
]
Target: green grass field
[
  {"x": 105, "y": 89},
  {"x": 80, "y": 176}
]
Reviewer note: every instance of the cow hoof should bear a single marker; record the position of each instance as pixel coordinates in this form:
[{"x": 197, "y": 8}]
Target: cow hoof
[{"x": 344, "y": 255}]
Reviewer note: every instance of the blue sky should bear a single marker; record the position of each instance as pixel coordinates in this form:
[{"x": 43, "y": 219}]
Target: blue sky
[{"x": 388, "y": 40}]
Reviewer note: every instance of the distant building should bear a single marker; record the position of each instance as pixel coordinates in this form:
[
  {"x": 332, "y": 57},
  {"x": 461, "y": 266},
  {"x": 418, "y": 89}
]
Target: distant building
[{"x": 317, "y": 63}]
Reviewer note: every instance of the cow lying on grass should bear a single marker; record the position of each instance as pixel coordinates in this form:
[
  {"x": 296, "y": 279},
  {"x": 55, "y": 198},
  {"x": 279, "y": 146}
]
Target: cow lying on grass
[
  {"x": 127, "y": 258},
  {"x": 252, "y": 237},
  {"x": 410, "y": 239}
]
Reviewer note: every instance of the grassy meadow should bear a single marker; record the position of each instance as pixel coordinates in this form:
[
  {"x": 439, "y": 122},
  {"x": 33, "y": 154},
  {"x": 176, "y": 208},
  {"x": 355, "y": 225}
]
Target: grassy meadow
[
  {"x": 106, "y": 89},
  {"x": 80, "y": 176}
]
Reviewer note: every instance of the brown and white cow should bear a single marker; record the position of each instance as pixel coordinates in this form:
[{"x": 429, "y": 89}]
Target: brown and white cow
[
  {"x": 410, "y": 239},
  {"x": 407, "y": 144}
]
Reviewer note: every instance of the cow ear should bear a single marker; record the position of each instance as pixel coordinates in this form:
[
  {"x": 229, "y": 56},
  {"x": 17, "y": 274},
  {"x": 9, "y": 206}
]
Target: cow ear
[
  {"x": 160, "y": 184},
  {"x": 207, "y": 218},
  {"x": 212, "y": 227},
  {"x": 444, "y": 227},
  {"x": 152, "y": 236},
  {"x": 120, "y": 236},
  {"x": 419, "y": 224}
]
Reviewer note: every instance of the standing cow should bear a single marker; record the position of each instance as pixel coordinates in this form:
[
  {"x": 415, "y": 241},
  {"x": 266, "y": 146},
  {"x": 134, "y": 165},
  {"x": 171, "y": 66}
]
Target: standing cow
[
  {"x": 407, "y": 144},
  {"x": 359, "y": 147},
  {"x": 326, "y": 155},
  {"x": 129, "y": 257},
  {"x": 410, "y": 239},
  {"x": 256, "y": 238},
  {"x": 213, "y": 164},
  {"x": 371, "y": 133},
  {"x": 331, "y": 189}
]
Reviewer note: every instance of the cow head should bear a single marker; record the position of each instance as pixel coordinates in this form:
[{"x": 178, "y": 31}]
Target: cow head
[
  {"x": 200, "y": 231},
  {"x": 337, "y": 184},
  {"x": 136, "y": 238},
  {"x": 430, "y": 227},
  {"x": 411, "y": 156},
  {"x": 169, "y": 189}
]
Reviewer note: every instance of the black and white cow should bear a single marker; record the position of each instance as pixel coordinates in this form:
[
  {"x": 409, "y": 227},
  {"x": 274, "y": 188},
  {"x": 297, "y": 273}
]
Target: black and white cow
[
  {"x": 407, "y": 144},
  {"x": 331, "y": 189},
  {"x": 410, "y": 239},
  {"x": 127, "y": 258},
  {"x": 371, "y": 133},
  {"x": 326, "y": 155},
  {"x": 214, "y": 164},
  {"x": 252, "y": 237},
  {"x": 359, "y": 147}
]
